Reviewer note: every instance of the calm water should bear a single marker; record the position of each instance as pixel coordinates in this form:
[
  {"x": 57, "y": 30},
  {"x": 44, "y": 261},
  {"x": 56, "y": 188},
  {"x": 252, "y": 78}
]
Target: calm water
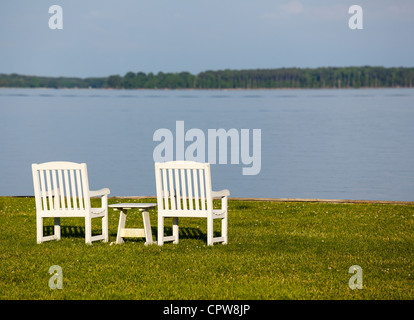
[{"x": 333, "y": 144}]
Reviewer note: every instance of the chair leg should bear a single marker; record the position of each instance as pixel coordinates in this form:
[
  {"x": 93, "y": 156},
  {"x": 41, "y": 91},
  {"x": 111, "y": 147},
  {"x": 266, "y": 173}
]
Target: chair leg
[
  {"x": 160, "y": 231},
  {"x": 224, "y": 222},
  {"x": 104, "y": 204},
  {"x": 105, "y": 227},
  {"x": 224, "y": 229},
  {"x": 175, "y": 230},
  {"x": 210, "y": 231},
  {"x": 57, "y": 228},
  {"x": 88, "y": 230},
  {"x": 39, "y": 228}
]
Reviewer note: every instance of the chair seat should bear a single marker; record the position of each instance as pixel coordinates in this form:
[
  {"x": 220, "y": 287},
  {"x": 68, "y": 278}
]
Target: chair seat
[
  {"x": 98, "y": 211},
  {"x": 219, "y": 212}
]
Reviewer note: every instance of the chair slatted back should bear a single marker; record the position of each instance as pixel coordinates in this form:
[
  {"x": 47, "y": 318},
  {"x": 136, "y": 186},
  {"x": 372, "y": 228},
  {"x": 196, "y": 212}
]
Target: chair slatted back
[
  {"x": 61, "y": 186},
  {"x": 183, "y": 186}
]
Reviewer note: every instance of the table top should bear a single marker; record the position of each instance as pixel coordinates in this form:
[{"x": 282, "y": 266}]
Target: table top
[{"x": 132, "y": 205}]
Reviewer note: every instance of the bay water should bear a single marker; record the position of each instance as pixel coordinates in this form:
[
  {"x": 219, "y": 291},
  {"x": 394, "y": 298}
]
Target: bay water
[{"x": 327, "y": 144}]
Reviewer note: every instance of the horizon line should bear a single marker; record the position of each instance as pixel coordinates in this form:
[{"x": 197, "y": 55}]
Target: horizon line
[{"x": 210, "y": 70}]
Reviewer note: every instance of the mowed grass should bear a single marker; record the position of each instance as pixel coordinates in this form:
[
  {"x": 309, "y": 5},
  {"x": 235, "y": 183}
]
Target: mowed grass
[{"x": 288, "y": 250}]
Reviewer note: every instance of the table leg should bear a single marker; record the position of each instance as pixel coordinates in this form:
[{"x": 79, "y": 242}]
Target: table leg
[
  {"x": 147, "y": 227},
  {"x": 121, "y": 225}
]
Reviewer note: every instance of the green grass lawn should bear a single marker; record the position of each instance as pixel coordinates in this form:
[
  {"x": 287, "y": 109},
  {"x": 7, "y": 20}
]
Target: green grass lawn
[{"x": 276, "y": 250}]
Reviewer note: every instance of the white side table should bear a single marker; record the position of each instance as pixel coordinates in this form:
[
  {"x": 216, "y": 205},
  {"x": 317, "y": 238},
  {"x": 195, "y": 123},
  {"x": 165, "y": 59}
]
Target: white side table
[{"x": 134, "y": 232}]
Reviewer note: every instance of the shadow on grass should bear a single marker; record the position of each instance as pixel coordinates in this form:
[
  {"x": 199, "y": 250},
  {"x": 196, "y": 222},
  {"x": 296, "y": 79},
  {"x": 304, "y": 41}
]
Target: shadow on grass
[
  {"x": 242, "y": 206},
  {"x": 186, "y": 233},
  {"x": 79, "y": 232},
  {"x": 66, "y": 231}
]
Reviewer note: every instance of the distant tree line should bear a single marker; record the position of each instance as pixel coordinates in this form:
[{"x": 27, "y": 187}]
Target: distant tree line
[
  {"x": 329, "y": 77},
  {"x": 20, "y": 81}
]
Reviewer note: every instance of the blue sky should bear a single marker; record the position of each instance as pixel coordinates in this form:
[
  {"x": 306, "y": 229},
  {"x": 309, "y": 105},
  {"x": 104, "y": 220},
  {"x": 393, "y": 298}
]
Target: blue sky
[{"x": 105, "y": 37}]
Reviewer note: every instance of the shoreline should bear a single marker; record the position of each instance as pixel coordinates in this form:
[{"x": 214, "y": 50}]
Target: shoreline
[
  {"x": 315, "y": 200},
  {"x": 207, "y": 89}
]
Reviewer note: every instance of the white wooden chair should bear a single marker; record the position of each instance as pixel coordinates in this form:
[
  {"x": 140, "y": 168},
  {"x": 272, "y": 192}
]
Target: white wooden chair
[
  {"x": 184, "y": 190},
  {"x": 62, "y": 190}
]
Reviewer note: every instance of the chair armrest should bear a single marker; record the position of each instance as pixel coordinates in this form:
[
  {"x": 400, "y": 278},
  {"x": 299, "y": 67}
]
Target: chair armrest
[
  {"x": 220, "y": 194},
  {"x": 101, "y": 192}
]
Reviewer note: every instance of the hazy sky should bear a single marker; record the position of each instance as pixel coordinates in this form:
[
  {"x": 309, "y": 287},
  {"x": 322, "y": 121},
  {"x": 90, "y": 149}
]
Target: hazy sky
[{"x": 105, "y": 37}]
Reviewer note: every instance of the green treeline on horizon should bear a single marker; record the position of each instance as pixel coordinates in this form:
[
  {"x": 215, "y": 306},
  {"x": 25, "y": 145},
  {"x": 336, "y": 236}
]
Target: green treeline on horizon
[{"x": 328, "y": 77}]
